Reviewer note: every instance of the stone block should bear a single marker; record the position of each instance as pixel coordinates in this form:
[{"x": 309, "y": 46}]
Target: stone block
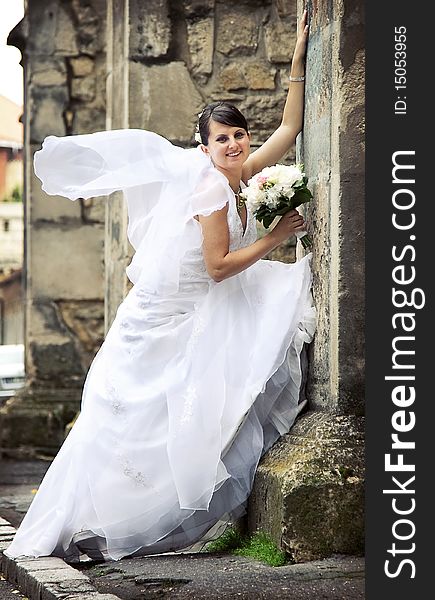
[
  {"x": 239, "y": 75},
  {"x": 66, "y": 589},
  {"x": 280, "y": 39},
  {"x": 169, "y": 100},
  {"x": 33, "y": 578},
  {"x": 47, "y": 106},
  {"x": 65, "y": 39},
  {"x": 48, "y": 72},
  {"x": 34, "y": 420},
  {"x": 55, "y": 35},
  {"x": 93, "y": 596},
  {"x": 200, "y": 39},
  {"x": 90, "y": 20},
  {"x": 93, "y": 209},
  {"x": 49, "y": 208},
  {"x": 6, "y": 538},
  {"x": 308, "y": 492},
  {"x": 150, "y": 28},
  {"x": 9, "y": 568},
  {"x": 197, "y": 9},
  {"x": 3, "y": 545},
  {"x": 82, "y": 66},
  {"x": 263, "y": 113},
  {"x": 237, "y": 33},
  {"x": 260, "y": 77},
  {"x": 286, "y": 9},
  {"x": 73, "y": 251},
  {"x": 232, "y": 77},
  {"x": 45, "y": 323},
  {"x": 83, "y": 88},
  {"x": 90, "y": 40},
  {"x": 85, "y": 319},
  {"x": 88, "y": 119},
  {"x": 55, "y": 362},
  {"x": 43, "y": 563}
]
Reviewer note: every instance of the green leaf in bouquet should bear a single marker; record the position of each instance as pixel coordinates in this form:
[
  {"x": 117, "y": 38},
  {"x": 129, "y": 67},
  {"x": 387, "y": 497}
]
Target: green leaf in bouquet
[
  {"x": 302, "y": 183},
  {"x": 267, "y": 221},
  {"x": 301, "y": 196},
  {"x": 283, "y": 210},
  {"x": 262, "y": 212}
]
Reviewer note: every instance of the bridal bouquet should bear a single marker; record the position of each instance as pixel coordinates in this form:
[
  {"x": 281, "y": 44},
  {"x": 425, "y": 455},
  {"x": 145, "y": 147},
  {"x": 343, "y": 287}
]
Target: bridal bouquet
[{"x": 276, "y": 190}]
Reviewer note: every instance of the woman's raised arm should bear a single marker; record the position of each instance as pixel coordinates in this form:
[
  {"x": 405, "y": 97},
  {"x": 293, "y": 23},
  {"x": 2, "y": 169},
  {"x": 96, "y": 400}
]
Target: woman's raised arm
[{"x": 283, "y": 138}]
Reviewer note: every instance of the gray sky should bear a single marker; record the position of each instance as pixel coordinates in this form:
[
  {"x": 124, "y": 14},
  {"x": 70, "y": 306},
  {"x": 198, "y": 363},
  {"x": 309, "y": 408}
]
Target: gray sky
[{"x": 11, "y": 72}]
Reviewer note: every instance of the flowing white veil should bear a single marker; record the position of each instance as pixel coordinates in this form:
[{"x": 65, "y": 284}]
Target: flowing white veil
[{"x": 164, "y": 186}]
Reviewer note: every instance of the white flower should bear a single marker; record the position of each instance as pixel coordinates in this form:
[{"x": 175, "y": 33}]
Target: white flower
[
  {"x": 287, "y": 175},
  {"x": 254, "y": 196},
  {"x": 273, "y": 196},
  {"x": 272, "y": 191}
]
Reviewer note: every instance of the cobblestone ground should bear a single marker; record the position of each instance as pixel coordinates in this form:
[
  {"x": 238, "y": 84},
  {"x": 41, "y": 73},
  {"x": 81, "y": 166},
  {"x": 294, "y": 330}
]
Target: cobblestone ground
[
  {"x": 211, "y": 576},
  {"x": 8, "y": 591},
  {"x": 17, "y": 481},
  {"x": 196, "y": 576}
]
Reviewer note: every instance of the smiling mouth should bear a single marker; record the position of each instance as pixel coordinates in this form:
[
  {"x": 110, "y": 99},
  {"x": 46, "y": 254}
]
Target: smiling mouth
[{"x": 233, "y": 154}]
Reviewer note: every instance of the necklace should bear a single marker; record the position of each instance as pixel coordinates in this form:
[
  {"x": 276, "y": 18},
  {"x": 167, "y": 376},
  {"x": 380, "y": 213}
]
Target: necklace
[{"x": 240, "y": 201}]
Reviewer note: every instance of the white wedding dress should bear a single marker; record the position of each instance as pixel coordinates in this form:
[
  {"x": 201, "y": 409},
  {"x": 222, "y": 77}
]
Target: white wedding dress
[{"x": 195, "y": 379}]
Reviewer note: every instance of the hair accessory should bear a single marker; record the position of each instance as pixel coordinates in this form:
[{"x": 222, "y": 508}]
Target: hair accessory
[{"x": 197, "y": 134}]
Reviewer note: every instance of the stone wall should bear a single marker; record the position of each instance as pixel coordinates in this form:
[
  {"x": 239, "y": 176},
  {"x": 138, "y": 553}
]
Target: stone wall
[
  {"x": 308, "y": 491},
  {"x": 63, "y": 47},
  {"x": 332, "y": 150},
  {"x": 184, "y": 54}
]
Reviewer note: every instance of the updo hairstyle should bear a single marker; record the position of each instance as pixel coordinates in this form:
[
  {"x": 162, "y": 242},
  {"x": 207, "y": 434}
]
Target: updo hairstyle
[{"x": 221, "y": 112}]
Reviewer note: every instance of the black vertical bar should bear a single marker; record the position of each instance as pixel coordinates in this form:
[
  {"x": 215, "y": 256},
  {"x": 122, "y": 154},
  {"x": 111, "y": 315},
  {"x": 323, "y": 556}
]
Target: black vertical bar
[{"x": 400, "y": 227}]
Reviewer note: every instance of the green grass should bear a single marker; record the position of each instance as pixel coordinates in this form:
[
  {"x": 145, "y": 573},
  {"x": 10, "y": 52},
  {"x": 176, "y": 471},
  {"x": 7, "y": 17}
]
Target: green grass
[
  {"x": 227, "y": 542},
  {"x": 258, "y": 546}
]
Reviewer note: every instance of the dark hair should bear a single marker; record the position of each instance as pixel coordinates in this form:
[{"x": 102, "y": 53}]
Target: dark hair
[{"x": 221, "y": 112}]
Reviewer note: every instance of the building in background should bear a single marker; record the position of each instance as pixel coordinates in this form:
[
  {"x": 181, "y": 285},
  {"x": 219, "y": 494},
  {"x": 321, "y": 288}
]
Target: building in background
[
  {"x": 11, "y": 223},
  {"x": 11, "y": 150}
]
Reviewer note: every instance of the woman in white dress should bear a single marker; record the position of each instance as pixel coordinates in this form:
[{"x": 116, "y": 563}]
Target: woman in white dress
[{"x": 200, "y": 372}]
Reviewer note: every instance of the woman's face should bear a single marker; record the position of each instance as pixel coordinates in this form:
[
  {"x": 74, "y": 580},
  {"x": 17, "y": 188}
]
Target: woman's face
[{"x": 228, "y": 146}]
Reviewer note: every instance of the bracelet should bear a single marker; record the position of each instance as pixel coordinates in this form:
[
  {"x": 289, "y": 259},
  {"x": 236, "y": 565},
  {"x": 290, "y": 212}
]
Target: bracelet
[{"x": 301, "y": 78}]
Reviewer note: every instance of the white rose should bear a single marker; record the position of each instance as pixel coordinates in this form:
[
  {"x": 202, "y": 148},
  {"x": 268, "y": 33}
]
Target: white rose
[
  {"x": 290, "y": 175},
  {"x": 254, "y": 197}
]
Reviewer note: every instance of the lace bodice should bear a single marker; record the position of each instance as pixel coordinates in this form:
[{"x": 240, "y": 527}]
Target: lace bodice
[
  {"x": 193, "y": 267},
  {"x": 238, "y": 238}
]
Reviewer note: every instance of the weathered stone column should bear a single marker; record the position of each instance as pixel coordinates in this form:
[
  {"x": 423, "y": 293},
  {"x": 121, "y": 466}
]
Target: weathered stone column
[
  {"x": 62, "y": 43},
  {"x": 308, "y": 491},
  {"x": 148, "y": 87},
  {"x": 117, "y": 248}
]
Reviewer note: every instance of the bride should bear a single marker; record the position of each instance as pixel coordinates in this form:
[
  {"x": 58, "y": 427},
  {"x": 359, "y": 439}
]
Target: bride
[{"x": 200, "y": 372}]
